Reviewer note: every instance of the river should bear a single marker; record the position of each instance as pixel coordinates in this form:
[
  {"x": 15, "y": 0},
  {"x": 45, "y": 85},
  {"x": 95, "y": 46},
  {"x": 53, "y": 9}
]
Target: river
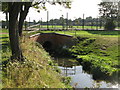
[{"x": 79, "y": 77}]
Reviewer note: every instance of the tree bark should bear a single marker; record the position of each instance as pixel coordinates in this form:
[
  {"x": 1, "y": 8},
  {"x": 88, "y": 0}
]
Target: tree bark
[
  {"x": 14, "y": 9},
  {"x": 23, "y": 14}
]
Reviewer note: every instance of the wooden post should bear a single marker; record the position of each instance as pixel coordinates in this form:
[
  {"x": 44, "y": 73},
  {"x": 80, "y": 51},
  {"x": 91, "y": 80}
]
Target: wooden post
[
  {"x": 52, "y": 24},
  {"x": 97, "y": 23},
  {"x": 67, "y": 22},
  {"x": 75, "y": 69},
  {"x": 47, "y": 20},
  {"x": 29, "y": 21},
  {"x": 83, "y": 21},
  {"x": 41, "y": 22},
  {"x": 66, "y": 70}
]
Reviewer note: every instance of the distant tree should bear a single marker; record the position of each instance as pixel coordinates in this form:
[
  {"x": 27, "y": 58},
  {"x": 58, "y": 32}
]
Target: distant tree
[
  {"x": 76, "y": 22},
  {"x": 109, "y": 11},
  {"x": 88, "y": 21}
]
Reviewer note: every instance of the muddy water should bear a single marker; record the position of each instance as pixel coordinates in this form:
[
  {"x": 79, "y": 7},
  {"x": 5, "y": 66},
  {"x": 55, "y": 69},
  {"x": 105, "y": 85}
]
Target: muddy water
[{"x": 81, "y": 79}]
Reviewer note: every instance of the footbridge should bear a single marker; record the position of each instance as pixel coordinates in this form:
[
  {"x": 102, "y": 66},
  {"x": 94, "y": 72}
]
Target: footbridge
[{"x": 53, "y": 40}]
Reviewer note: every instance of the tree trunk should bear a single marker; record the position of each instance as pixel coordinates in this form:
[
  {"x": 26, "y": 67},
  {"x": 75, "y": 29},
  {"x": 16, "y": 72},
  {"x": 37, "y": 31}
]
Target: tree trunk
[
  {"x": 14, "y": 9},
  {"x": 23, "y": 14}
]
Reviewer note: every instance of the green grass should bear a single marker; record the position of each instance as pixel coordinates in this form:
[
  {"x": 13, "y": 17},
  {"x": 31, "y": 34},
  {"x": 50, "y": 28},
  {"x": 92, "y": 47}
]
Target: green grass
[
  {"x": 3, "y": 31},
  {"x": 101, "y": 53},
  {"x": 60, "y": 26},
  {"x": 84, "y": 33},
  {"x": 5, "y": 48},
  {"x": 77, "y": 27},
  {"x": 36, "y": 72},
  {"x": 50, "y": 26},
  {"x": 5, "y": 51}
]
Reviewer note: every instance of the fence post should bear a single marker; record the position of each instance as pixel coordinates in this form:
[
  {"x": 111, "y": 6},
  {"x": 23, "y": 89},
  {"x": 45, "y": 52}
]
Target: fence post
[
  {"x": 67, "y": 21},
  {"x": 83, "y": 21},
  {"x": 47, "y": 20},
  {"x": 52, "y": 24},
  {"x": 29, "y": 21},
  {"x": 97, "y": 23},
  {"x": 41, "y": 22}
]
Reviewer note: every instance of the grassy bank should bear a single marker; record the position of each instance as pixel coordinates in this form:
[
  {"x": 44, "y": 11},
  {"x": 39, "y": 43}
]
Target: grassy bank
[
  {"x": 38, "y": 70},
  {"x": 98, "y": 53}
]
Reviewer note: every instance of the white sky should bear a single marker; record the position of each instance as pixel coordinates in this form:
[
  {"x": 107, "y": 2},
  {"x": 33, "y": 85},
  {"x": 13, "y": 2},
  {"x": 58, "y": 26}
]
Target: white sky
[{"x": 78, "y": 8}]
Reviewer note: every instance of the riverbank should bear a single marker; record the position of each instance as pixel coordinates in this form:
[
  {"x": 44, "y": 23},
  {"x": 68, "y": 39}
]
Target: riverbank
[
  {"x": 36, "y": 71},
  {"x": 98, "y": 55}
]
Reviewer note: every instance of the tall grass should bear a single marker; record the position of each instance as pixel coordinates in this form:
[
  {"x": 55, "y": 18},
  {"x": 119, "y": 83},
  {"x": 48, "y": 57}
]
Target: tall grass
[{"x": 36, "y": 71}]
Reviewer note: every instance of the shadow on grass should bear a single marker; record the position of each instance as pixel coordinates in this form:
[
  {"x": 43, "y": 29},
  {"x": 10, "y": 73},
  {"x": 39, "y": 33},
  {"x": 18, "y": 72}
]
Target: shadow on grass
[
  {"x": 104, "y": 32},
  {"x": 3, "y": 37},
  {"x": 5, "y": 46}
]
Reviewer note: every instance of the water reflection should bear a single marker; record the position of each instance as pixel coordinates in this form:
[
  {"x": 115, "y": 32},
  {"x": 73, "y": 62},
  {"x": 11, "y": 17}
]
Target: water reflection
[{"x": 81, "y": 79}]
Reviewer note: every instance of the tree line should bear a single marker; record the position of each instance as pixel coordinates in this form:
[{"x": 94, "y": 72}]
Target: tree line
[{"x": 88, "y": 21}]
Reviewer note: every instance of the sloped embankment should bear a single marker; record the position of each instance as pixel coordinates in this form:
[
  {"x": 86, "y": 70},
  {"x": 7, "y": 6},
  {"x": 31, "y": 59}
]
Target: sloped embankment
[
  {"x": 98, "y": 54},
  {"x": 36, "y": 72}
]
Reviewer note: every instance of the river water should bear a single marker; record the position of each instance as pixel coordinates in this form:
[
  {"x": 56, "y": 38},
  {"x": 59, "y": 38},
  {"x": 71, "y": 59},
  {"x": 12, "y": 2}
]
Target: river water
[{"x": 80, "y": 78}]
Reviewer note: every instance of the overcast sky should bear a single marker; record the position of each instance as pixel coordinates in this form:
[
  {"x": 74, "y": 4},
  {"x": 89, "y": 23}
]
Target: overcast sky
[{"x": 78, "y": 8}]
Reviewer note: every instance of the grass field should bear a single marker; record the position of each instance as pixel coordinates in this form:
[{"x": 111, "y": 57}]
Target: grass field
[
  {"x": 77, "y": 27},
  {"x": 60, "y": 26},
  {"x": 84, "y": 33},
  {"x": 3, "y": 31}
]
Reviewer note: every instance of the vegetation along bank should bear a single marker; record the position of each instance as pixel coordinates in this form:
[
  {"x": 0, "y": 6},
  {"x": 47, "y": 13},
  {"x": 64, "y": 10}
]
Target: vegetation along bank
[
  {"x": 98, "y": 54},
  {"x": 36, "y": 71}
]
